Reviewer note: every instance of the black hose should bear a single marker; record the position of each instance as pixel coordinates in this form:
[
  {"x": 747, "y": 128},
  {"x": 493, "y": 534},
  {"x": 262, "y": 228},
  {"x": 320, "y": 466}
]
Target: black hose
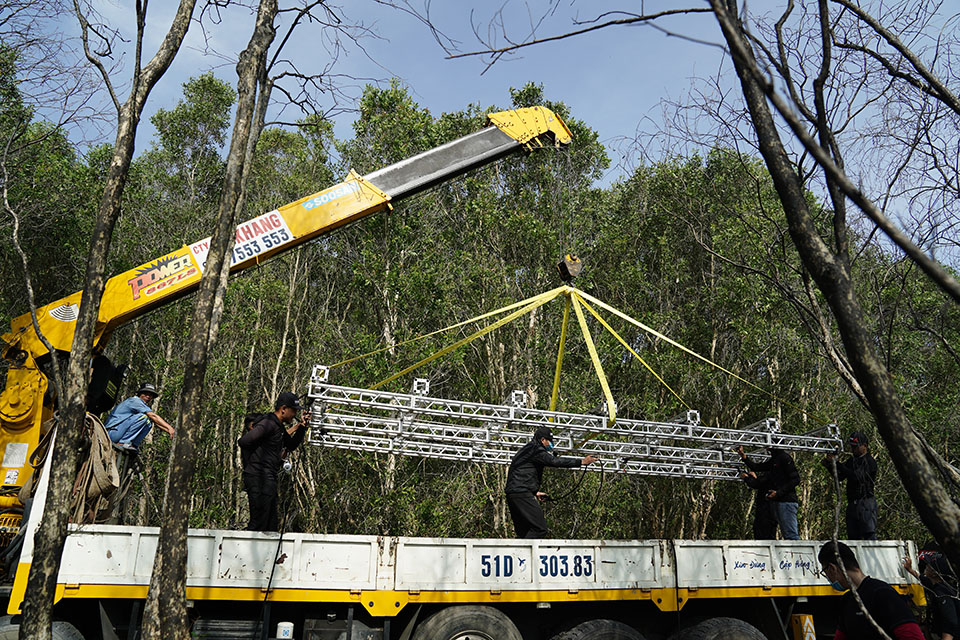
[{"x": 276, "y": 556}]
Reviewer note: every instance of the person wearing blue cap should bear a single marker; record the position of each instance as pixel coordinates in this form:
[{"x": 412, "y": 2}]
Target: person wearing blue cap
[
  {"x": 860, "y": 474},
  {"x": 523, "y": 483}
]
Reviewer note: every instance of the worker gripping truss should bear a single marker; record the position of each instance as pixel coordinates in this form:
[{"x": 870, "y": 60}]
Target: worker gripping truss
[{"x": 415, "y": 424}]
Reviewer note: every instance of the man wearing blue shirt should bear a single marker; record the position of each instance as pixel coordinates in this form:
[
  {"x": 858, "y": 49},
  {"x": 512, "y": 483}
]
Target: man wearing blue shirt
[{"x": 131, "y": 420}]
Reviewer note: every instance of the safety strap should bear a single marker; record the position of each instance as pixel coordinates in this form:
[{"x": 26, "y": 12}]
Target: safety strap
[
  {"x": 696, "y": 355},
  {"x": 445, "y": 329},
  {"x": 533, "y": 303}
]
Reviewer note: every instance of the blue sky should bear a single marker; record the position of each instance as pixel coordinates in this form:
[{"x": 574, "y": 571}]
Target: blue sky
[{"x": 613, "y": 79}]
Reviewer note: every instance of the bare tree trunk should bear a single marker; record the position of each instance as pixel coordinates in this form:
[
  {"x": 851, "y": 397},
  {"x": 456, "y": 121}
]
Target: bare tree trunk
[
  {"x": 48, "y": 541},
  {"x": 831, "y": 272},
  {"x": 168, "y": 582}
]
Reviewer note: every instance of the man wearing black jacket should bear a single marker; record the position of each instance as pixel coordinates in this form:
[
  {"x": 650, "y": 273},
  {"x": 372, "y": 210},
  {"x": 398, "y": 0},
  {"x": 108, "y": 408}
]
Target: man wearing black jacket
[
  {"x": 860, "y": 473},
  {"x": 764, "y": 520},
  {"x": 262, "y": 449},
  {"x": 523, "y": 483},
  {"x": 782, "y": 479}
]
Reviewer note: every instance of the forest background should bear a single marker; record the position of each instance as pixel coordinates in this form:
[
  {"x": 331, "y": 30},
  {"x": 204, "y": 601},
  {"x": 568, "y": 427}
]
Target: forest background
[{"x": 692, "y": 245}]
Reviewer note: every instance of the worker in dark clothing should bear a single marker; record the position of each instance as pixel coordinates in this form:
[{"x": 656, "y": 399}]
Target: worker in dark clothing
[
  {"x": 860, "y": 473},
  {"x": 881, "y": 601},
  {"x": 943, "y": 603},
  {"x": 782, "y": 480},
  {"x": 263, "y": 448},
  {"x": 764, "y": 520},
  {"x": 523, "y": 483}
]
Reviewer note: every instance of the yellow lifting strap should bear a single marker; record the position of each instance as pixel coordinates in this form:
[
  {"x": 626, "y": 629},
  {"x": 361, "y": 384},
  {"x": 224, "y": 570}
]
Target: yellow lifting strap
[
  {"x": 696, "y": 355},
  {"x": 578, "y": 300},
  {"x": 555, "y": 394},
  {"x": 534, "y": 302},
  {"x": 438, "y": 331},
  {"x": 630, "y": 349},
  {"x": 592, "y": 348}
]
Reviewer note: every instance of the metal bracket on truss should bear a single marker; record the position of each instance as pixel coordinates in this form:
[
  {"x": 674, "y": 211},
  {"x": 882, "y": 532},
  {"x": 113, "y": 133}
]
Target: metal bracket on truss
[
  {"x": 421, "y": 387},
  {"x": 416, "y": 424}
]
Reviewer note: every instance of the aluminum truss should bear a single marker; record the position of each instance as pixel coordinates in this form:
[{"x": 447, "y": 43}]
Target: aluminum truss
[{"x": 415, "y": 424}]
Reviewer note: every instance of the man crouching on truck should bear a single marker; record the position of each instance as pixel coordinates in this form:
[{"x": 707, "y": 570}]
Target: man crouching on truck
[
  {"x": 884, "y": 605},
  {"x": 131, "y": 420},
  {"x": 523, "y": 483},
  {"x": 262, "y": 448}
]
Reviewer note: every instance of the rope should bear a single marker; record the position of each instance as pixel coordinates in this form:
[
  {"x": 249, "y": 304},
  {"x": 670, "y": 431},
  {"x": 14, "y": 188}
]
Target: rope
[{"x": 98, "y": 477}]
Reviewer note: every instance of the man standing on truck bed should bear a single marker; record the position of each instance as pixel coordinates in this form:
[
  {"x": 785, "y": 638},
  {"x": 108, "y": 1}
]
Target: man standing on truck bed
[
  {"x": 782, "y": 481},
  {"x": 881, "y": 601},
  {"x": 523, "y": 483},
  {"x": 860, "y": 472},
  {"x": 131, "y": 420},
  {"x": 262, "y": 448}
]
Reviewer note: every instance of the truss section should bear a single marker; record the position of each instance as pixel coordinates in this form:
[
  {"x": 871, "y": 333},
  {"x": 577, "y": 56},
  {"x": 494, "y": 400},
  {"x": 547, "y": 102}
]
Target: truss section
[{"x": 416, "y": 424}]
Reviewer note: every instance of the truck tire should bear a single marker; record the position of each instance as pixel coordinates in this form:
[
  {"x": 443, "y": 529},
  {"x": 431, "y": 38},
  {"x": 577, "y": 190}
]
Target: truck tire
[
  {"x": 9, "y": 630},
  {"x": 722, "y": 629},
  {"x": 601, "y": 630},
  {"x": 467, "y": 623}
]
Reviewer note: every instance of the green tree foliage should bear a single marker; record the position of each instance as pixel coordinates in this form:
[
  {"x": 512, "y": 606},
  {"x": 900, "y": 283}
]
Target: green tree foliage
[
  {"x": 694, "y": 247},
  {"x": 48, "y": 193}
]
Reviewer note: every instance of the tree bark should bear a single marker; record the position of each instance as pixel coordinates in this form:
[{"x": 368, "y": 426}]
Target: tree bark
[
  {"x": 62, "y": 465},
  {"x": 168, "y": 582},
  {"x": 832, "y": 275}
]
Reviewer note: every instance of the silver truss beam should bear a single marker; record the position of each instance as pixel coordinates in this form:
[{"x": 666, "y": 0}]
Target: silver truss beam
[{"x": 415, "y": 424}]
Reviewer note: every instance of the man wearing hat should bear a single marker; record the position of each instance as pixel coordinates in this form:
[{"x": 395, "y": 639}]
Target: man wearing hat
[
  {"x": 523, "y": 483},
  {"x": 860, "y": 473},
  {"x": 263, "y": 447},
  {"x": 131, "y": 420}
]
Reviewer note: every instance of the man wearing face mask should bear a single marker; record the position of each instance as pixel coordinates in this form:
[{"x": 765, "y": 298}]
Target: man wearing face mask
[
  {"x": 523, "y": 483},
  {"x": 884, "y": 605}
]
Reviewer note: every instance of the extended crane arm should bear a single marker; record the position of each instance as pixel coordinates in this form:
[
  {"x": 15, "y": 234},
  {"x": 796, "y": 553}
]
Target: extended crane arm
[{"x": 160, "y": 281}]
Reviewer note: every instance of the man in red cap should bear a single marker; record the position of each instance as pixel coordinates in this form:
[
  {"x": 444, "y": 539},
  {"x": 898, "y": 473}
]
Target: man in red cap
[
  {"x": 860, "y": 474},
  {"x": 523, "y": 482}
]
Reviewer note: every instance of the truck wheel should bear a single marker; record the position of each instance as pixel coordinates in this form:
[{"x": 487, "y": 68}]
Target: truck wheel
[
  {"x": 722, "y": 629},
  {"x": 601, "y": 630},
  {"x": 467, "y": 623},
  {"x": 60, "y": 630},
  {"x": 65, "y": 631}
]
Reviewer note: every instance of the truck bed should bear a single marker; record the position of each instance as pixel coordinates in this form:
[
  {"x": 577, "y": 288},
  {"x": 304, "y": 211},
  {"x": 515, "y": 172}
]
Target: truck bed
[{"x": 384, "y": 574}]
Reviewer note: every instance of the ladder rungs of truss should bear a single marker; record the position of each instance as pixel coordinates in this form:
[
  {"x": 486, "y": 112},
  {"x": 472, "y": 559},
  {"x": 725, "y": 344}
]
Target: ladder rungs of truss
[{"x": 415, "y": 424}]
